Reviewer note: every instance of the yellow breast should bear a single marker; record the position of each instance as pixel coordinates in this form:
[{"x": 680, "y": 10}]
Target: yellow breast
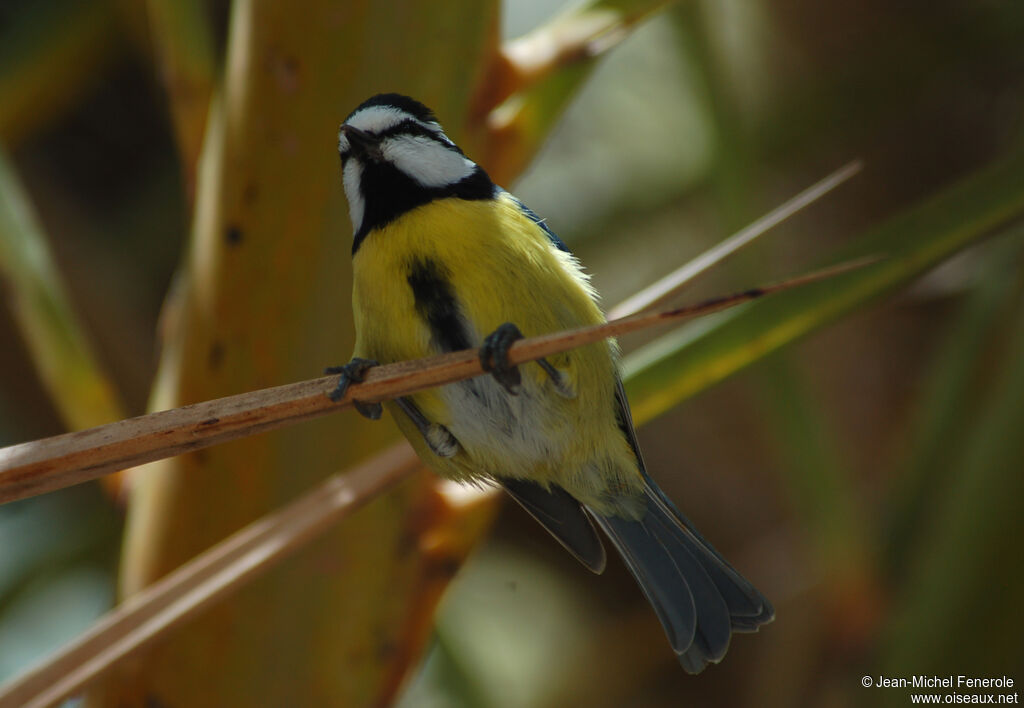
[{"x": 501, "y": 267}]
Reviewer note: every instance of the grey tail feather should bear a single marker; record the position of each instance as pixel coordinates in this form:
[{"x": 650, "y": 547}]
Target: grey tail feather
[
  {"x": 699, "y": 598},
  {"x": 563, "y": 517}
]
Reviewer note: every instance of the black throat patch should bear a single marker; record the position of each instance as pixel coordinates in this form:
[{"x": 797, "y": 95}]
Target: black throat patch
[{"x": 388, "y": 193}]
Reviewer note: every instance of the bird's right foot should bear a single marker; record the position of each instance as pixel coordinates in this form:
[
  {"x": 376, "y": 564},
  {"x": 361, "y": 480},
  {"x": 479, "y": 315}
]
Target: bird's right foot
[{"x": 494, "y": 357}]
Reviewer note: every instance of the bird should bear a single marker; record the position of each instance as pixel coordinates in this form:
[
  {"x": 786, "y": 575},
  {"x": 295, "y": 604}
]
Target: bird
[{"x": 444, "y": 260}]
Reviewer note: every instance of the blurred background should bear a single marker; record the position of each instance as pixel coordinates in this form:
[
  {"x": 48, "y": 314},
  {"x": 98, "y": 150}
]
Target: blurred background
[{"x": 868, "y": 478}]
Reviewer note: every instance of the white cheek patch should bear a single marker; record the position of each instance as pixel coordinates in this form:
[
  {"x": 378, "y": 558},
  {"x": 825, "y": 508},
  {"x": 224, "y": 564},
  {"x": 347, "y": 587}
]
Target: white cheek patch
[
  {"x": 426, "y": 161},
  {"x": 351, "y": 177}
]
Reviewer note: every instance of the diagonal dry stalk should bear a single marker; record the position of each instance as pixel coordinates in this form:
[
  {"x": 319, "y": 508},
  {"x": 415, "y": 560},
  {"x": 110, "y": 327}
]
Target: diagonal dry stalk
[
  {"x": 46, "y": 465},
  {"x": 678, "y": 279}
]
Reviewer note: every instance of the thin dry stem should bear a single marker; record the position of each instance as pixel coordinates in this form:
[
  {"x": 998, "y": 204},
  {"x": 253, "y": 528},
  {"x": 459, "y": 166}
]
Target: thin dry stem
[
  {"x": 45, "y": 465},
  {"x": 680, "y": 278}
]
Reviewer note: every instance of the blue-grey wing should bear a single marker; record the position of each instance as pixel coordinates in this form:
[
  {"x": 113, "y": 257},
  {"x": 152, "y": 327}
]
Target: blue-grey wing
[
  {"x": 552, "y": 236},
  {"x": 564, "y": 518}
]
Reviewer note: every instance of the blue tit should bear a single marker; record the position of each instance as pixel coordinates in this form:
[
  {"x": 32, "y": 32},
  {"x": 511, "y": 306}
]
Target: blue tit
[{"x": 443, "y": 260}]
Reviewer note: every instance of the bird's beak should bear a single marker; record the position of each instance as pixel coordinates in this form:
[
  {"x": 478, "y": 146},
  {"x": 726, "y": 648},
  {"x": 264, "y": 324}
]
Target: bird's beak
[{"x": 362, "y": 143}]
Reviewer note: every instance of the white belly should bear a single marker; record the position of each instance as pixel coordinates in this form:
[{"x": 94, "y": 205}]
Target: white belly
[{"x": 508, "y": 434}]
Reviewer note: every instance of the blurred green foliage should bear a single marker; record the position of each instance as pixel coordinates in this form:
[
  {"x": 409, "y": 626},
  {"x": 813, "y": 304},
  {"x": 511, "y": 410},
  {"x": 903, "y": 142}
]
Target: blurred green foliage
[{"x": 868, "y": 478}]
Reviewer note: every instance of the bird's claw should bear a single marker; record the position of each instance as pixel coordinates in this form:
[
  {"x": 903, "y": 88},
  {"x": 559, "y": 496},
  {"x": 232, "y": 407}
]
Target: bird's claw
[
  {"x": 494, "y": 357},
  {"x": 354, "y": 372}
]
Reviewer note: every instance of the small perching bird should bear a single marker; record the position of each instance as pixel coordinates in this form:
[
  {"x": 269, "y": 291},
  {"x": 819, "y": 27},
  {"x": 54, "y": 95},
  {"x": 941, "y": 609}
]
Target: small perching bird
[{"x": 444, "y": 260}]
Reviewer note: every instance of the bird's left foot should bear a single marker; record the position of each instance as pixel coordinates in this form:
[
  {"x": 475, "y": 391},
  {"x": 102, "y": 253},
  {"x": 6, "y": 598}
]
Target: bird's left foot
[{"x": 494, "y": 359}]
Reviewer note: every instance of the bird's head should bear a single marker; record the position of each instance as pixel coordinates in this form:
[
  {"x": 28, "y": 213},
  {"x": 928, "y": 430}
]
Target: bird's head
[{"x": 395, "y": 157}]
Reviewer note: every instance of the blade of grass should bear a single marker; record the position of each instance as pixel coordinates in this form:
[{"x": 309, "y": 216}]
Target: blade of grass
[
  {"x": 680, "y": 278},
  {"x": 62, "y": 354},
  {"x": 682, "y": 363},
  {"x": 693, "y": 358},
  {"x": 816, "y": 482}
]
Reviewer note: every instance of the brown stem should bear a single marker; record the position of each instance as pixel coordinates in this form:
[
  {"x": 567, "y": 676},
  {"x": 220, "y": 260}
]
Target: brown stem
[{"x": 45, "y": 465}]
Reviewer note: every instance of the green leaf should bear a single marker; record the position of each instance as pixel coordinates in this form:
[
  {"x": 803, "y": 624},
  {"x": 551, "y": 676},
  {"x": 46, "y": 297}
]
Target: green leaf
[
  {"x": 547, "y": 66},
  {"x": 60, "y": 350},
  {"x": 693, "y": 358}
]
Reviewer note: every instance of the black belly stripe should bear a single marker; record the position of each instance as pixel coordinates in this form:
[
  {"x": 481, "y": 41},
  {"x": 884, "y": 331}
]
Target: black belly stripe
[{"x": 435, "y": 303}]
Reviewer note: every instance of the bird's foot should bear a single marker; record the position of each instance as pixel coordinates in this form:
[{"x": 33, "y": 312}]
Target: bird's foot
[
  {"x": 494, "y": 357},
  {"x": 354, "y": 372}
]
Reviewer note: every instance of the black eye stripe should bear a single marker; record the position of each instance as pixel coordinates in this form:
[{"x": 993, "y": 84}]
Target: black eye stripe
[
  {"x": 411, "y": 127},
  {"x": 406, "y": 126}
]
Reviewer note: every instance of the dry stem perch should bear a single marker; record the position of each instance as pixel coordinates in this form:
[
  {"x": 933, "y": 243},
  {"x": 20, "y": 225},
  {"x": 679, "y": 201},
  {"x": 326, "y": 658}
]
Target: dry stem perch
[{"x": 45, "y": 465}]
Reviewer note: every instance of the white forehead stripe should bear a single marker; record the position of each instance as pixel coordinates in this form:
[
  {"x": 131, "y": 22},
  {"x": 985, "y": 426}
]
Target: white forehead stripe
[
  {"x": 377, "y": 119},
  {"x": 425, "y": 160}
]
